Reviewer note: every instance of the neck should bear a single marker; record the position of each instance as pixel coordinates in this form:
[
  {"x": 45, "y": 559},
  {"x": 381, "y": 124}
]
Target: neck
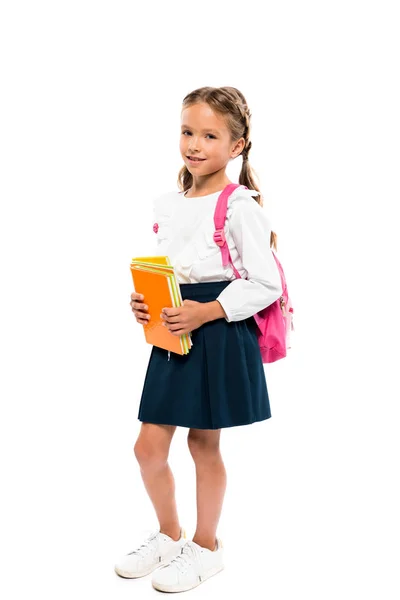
[{"x": 208, "y": 184}]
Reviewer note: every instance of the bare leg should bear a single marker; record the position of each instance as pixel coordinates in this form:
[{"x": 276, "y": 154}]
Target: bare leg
[
  {"x": 151, "y": 450},
  {"x": 210, "y": 483}
]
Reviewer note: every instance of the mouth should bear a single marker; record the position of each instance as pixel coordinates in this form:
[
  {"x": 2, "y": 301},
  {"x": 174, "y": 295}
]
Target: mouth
[{"x": 195, "y": 159}]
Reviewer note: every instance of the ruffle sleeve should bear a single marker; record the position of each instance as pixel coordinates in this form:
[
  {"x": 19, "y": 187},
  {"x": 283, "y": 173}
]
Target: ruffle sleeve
[{"x": 240, "y": 196}]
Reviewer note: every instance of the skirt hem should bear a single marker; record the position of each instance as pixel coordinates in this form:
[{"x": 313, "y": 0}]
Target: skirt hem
[{"x": 202, "y": 427}]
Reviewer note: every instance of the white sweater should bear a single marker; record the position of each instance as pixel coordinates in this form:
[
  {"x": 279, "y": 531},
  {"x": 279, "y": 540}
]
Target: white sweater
[{"x": 185, "y": 234}]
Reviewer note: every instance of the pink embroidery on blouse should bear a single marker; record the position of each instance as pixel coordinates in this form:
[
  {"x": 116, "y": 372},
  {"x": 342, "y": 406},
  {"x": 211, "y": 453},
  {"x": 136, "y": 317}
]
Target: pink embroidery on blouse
[{"x": 155, "y": 227}]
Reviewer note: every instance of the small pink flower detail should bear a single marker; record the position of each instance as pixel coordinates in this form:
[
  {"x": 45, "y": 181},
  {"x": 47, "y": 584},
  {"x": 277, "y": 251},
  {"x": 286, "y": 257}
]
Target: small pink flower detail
[{"x": 155, "y": 227}]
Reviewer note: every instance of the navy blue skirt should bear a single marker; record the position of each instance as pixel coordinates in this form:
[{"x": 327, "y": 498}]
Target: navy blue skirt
[{"x": 219, "y": 383}]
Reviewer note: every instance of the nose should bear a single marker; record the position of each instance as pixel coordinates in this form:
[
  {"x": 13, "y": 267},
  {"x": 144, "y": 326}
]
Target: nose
[{"x": 193, "y": 146}]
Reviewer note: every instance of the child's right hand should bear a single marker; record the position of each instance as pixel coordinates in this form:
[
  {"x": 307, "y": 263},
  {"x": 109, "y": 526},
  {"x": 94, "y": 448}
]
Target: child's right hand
[{"x": 139, "y": 309}]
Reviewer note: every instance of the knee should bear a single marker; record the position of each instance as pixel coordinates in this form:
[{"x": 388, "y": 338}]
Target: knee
[
  {"x": 149, "y": 455},
  {"x": 201, "y": 448}
]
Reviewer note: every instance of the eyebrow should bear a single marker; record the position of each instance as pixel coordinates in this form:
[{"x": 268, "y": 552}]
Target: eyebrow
[{"x": 213, "y": 130}]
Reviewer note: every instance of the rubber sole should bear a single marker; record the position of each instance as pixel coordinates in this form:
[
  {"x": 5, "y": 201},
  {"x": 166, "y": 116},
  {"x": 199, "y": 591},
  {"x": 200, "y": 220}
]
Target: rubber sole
[
  {"x": 174, "y": 588},
  {"x": 127, "y": 575}
]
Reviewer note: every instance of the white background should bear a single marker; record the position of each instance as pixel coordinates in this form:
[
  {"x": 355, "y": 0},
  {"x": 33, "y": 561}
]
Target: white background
[{"x": 90, "y": 118}]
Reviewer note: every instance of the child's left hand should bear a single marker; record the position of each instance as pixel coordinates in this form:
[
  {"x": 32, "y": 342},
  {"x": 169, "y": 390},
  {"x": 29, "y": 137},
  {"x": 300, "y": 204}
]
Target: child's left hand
[{"x": 185, "y": 318}]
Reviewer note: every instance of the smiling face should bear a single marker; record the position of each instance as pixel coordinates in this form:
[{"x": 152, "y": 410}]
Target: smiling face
[{"x": 205, "y": 136}]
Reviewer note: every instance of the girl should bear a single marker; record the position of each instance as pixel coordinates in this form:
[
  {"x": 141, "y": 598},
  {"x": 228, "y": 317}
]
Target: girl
[{"x": 221, "y": 381}]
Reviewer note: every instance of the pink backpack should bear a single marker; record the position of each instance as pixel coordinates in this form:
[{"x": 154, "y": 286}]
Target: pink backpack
[{"x": 276, "y": 320}]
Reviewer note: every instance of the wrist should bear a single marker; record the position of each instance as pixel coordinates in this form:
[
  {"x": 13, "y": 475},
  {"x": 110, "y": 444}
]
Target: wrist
[{"x": 213, "y": 310}]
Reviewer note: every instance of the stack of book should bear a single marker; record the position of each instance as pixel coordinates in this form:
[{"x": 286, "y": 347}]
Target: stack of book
[{"x": 155, "y": 278}]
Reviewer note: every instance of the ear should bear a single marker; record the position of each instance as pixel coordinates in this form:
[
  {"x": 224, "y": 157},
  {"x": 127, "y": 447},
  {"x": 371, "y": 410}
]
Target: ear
[{"x": 237, "y": 147}]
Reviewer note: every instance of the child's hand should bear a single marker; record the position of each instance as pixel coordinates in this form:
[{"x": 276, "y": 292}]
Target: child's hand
[
  {"x": 185, "y": 318},
  {"x": 139, "y": 309}
]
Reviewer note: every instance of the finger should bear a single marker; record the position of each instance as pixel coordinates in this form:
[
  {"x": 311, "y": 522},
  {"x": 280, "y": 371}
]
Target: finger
[
  {"x": 137, "y": 296},
  {"x": 135, "y": 301},
  {"x": 172, "y": 320},
  {"x": 178, "y": 332},
  {"x": 169, "y": 319},
  {"x": 171, "y": 312},
  {"x": 142, "y": 319},
  {"x": 141, "y": 315},
  {"x": 139, "y": 306},
  {"x": 175, "y": 327}
]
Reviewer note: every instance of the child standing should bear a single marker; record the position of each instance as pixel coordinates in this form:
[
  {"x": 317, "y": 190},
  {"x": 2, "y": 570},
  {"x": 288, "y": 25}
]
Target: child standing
[{"x": 221, "y": 381}]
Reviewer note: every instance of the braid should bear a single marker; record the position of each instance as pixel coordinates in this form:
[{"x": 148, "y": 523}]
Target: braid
[
  {"x": 245, "y": 119},
  {"x": 247, "y": 174},
  {"x": 229, "y": 102}
]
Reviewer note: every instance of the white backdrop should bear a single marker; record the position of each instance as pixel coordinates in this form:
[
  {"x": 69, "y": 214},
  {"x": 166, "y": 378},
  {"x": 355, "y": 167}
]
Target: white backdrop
[{"x": 90, "y": 115}]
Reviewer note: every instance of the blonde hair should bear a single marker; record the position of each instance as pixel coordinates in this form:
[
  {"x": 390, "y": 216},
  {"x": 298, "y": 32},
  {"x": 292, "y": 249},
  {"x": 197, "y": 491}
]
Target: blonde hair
[{"x": 230, "y": 103}]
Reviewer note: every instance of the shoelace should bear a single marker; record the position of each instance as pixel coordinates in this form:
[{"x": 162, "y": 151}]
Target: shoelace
[
  {"x": 145, "y": 547},
  {"x": 189, "y": 554}
]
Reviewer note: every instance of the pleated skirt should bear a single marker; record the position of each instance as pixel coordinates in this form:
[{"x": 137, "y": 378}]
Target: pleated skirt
[{"x": 219, "y": 383}]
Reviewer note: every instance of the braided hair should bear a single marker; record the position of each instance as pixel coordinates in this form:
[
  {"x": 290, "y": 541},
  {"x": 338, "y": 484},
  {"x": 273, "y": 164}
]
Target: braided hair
[{"x": 231, "y": 104}]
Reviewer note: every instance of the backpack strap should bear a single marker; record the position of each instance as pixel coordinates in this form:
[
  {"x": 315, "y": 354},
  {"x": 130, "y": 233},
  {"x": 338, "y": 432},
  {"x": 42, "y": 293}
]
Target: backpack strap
[{"x": 219, "y": 222}]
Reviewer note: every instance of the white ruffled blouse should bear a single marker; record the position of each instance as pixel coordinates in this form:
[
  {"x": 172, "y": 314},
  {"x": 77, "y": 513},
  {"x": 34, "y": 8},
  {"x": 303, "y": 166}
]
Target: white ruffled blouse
[{"x": 185, "y": 228}]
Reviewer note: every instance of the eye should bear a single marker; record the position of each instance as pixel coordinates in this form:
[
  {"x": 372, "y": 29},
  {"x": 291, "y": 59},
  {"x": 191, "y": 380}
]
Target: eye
[{"x": 210, "y": 134}]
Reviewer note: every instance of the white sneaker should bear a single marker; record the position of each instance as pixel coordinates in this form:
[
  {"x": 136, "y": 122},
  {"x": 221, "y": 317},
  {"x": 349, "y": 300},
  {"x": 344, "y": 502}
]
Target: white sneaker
[
  {"x": 157, "y": 550},
  {"x": 187, "y": 570}
]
